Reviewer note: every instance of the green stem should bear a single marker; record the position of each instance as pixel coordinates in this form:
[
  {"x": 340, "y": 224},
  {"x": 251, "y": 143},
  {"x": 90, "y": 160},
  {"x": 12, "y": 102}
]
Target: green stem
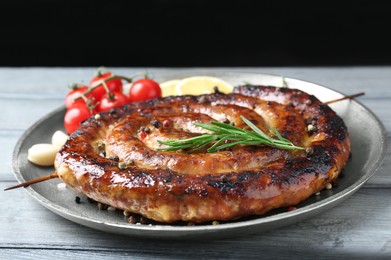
[
  {"x": 224, "y": 136},
  {"x": 114, "y": 76}
]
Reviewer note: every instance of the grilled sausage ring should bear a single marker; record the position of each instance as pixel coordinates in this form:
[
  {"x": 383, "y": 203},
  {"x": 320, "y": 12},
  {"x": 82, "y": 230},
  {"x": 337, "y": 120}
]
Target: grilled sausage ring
[{"x": 113, "y": 157}]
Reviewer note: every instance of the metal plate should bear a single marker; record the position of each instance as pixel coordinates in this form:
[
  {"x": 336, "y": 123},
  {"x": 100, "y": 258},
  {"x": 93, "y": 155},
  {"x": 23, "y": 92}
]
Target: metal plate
[{"x": 368, "y": 140}]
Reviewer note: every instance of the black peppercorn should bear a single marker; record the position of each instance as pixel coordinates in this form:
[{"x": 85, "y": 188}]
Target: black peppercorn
[{"x": 155, "y": 124}]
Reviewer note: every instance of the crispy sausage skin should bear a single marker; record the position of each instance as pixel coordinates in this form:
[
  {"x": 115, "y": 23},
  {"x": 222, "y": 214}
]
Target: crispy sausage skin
[{"x": 113, "y": 158}]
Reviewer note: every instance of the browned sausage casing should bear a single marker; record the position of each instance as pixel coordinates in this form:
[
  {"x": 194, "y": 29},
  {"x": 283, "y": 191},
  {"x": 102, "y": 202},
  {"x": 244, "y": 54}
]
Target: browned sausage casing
[{"x": 114, "y": 159}]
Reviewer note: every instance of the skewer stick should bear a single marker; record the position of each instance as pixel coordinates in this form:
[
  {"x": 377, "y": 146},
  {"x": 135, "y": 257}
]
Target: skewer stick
[
  {"x": 36, "y": 180},
  {"x": 345, "y": 97}
]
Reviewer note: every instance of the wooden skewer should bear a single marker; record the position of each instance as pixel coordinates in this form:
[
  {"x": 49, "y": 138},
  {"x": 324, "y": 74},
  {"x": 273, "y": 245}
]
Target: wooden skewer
[
  {"x": 36, "y": 180},
  {"x": 55, "y": 175},
  {"x": 345, "y": 97}
]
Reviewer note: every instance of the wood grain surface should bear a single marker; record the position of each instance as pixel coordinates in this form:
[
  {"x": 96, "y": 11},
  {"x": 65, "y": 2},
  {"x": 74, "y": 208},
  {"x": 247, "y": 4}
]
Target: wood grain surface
[{"x": 359, "y": 227}]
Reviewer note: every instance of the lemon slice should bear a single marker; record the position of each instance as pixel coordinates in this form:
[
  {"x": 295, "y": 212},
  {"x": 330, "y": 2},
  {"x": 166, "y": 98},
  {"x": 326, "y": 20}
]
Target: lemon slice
[
  {"x": 198, "y": 85},
  {"x": 169, "y": 87}
]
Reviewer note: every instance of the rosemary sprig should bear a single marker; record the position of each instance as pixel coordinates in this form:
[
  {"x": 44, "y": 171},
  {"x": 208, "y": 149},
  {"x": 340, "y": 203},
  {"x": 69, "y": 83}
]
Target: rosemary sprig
[{"x": 225, "y": 135}]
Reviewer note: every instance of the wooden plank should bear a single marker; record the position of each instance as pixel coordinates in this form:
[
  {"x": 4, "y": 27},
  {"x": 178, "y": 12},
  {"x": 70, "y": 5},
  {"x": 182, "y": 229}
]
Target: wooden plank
[
  {"x": 8, "y": 140},
  {"x": 22, "y": 113},
  {"x": 382, "y": 177},
  {"x": 360, "y": 227},
  {"x": 53, "y": 81}
]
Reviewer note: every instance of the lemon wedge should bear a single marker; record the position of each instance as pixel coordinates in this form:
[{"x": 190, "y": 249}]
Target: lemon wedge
[
  {"x": 169, "y": 87},
  {"x": 195, "y": 85},
  {"x": 199, "y": 85}
]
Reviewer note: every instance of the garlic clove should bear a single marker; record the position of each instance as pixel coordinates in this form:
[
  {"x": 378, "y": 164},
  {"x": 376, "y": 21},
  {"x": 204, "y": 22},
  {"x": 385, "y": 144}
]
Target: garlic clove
[
  {"x": 59, "y": 138},
  {"x": 43, "y": 154}
]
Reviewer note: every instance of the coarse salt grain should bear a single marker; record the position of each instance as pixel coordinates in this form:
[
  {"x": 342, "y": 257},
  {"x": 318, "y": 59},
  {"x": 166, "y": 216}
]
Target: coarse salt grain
[{"x": 61, "y": 186}]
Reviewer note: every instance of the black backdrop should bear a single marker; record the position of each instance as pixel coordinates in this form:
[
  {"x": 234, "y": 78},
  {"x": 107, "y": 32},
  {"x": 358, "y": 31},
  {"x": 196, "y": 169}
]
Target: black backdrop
[{"x": 192, "y": 33}]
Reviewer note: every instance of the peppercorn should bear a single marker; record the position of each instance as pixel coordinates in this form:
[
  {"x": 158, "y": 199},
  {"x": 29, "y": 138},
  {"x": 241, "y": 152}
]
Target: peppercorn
[
  {"x": 131, "y": 219},
  {"x": 147, "y": 130},
  {"x": 166, "y": 123},
  {"x": 155, "y": 124},
  {"x": 114, "y": 158}
]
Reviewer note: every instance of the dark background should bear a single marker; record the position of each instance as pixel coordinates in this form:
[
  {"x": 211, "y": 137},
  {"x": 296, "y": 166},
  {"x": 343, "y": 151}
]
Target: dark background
[{"x": 193, "y": 33}]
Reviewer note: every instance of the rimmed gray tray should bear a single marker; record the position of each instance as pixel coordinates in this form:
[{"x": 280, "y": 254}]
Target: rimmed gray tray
[{"x": 369, "y": 146}]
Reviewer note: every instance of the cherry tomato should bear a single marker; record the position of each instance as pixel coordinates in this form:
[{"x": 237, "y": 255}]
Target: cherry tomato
[
  {"x": 144, "y": 89},
  {"x": 106, "y": 103},
  {"x": 74, "y": 116},
  {"x": 114, "y": 85},
  {"x": 75, "y": 93}
]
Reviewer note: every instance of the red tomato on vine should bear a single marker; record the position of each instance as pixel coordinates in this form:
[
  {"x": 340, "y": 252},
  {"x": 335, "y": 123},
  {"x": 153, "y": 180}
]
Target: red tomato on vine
[
  {"x": 75, "y": 115},
  {"x": 114, "y": 85},
  {"x": 107, "y": 102},
  {"x": 75, "y": 93},
  {"x": 144, "y": 89}
]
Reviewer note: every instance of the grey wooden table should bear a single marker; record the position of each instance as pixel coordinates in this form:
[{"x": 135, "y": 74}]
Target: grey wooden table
[{"x": 359, "y": 227}]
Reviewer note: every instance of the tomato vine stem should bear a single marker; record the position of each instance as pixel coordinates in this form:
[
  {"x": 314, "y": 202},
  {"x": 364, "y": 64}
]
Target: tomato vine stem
[{"x": 104, "y": 81}]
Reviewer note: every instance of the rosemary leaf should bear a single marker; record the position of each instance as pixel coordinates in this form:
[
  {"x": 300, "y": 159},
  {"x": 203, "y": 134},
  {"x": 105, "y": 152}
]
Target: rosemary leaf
[{"x": 225, "y": 135}]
